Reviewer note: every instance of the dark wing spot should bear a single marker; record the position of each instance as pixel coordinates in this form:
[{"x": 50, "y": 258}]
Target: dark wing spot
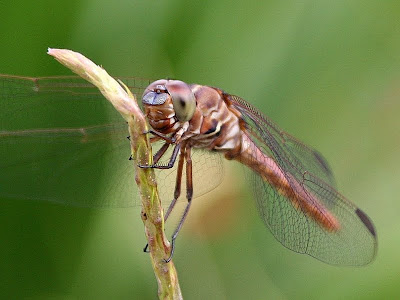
[
  {"x": 323, "y": 162},
  {"x": 366, "y": 220},
  {"x": 183, "y": 103}
]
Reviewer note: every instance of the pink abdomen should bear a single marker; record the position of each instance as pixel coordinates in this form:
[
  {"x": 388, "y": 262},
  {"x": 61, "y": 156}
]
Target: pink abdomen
[{"x": 285, "y": 184}]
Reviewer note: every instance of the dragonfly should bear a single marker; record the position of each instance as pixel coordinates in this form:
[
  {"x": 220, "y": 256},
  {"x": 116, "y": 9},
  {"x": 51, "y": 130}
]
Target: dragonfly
[{"x": 293, "y": 185}]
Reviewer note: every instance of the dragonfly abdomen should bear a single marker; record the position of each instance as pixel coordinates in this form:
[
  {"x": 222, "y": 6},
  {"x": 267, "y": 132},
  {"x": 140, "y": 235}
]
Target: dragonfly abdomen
[{"x": 286, "y": 185}]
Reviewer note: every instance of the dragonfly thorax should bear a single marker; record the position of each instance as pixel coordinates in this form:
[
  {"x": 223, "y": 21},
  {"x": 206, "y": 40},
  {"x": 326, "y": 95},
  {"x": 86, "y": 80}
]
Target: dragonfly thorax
[{"x": 210, "y": 121}]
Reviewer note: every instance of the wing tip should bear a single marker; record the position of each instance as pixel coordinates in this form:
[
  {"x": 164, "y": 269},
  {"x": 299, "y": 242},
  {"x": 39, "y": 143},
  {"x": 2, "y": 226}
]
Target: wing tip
[{"x": 367, "y": 222}]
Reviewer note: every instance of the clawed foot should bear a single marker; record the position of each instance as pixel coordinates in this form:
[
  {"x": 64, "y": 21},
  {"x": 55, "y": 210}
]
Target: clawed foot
[
  {"x": 172, "y": 251},
  {"x": 146, "y": 250},
  {"x": 156, "y": 166}
]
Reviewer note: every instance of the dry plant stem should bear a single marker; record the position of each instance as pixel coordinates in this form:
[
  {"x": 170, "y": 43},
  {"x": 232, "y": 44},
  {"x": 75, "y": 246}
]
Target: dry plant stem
[{"x": 152, "y": 214}]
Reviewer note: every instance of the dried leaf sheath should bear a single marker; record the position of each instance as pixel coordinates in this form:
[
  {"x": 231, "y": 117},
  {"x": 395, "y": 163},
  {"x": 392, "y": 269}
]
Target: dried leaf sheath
[{"x": 152, "y": 215}]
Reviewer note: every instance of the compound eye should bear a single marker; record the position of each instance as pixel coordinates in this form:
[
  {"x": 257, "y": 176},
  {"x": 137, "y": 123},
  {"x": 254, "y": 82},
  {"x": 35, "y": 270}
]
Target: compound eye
[
  {"x": 183, "y": 99},
  {"x": 156, "y": 97}
]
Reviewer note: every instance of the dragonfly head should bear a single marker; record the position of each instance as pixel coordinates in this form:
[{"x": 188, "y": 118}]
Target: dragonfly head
[{"x": 163, "y": 92}]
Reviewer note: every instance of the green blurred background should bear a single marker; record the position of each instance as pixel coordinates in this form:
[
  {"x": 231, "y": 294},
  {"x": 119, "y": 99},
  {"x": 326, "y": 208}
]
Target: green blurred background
[{"x": 326, "y": 71}]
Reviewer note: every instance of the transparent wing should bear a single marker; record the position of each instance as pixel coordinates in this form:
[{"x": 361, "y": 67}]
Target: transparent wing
[
  {"x": 308, "y": 174},
  {"x": 61, "y": 141},
  {"x": 208, "y": 172}
]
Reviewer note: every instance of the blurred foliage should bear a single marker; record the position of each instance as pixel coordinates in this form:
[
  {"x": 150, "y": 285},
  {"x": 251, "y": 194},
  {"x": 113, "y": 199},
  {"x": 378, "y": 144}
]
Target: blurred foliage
[{"x": 326, "y": 71}]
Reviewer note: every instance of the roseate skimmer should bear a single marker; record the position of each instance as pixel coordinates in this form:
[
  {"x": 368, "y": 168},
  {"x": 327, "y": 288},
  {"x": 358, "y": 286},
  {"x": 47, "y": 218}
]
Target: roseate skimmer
[{"x": 293, "y": 185}]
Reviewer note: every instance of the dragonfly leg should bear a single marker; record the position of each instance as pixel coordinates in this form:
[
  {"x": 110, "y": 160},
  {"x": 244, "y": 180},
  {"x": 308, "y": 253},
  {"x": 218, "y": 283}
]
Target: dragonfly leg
[
  {"x": 160, "y": 153},
  {"x": 177, "y": 191},
  {"x": 178, "y": 182},
  {"x": 189, "y": 195},
  {"x": 170, "y": 163},
  {"x": 157, "y": 136},
  {"x": 162, "y": 136}
]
